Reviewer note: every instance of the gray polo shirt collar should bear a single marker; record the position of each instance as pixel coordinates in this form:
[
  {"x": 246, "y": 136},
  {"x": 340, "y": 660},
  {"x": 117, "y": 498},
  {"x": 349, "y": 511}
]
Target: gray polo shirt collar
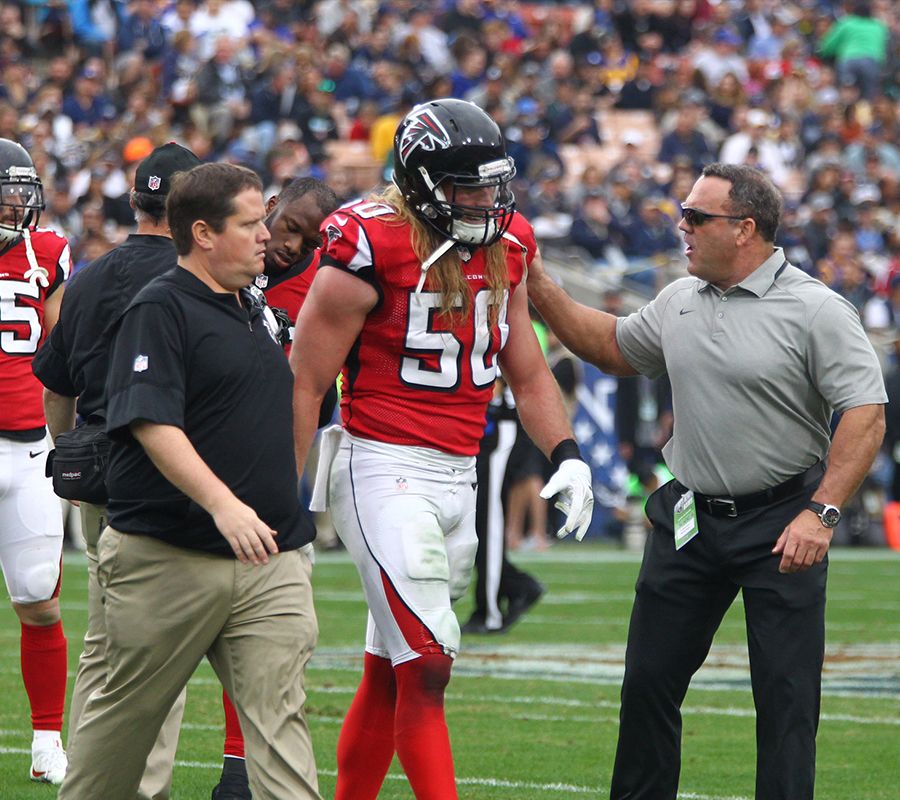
[{"x": 760, "y": 280}]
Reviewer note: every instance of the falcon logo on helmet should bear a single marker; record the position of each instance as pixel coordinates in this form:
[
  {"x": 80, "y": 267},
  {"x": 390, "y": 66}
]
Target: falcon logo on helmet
[
  {"x": 423, "y": 129},
  {"x": 444, "y": 151}
]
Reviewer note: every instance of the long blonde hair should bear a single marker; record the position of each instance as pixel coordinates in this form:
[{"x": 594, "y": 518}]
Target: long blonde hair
[{"x": 447, "y": 275}]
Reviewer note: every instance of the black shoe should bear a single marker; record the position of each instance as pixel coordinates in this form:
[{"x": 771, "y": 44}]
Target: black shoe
[
  {"x": 475, "y": 624},
  {"x": 520, "y": 603},
  {"x": 233, "y": 785}
]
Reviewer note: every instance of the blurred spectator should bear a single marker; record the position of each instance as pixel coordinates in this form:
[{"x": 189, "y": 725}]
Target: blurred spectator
[
  {"x": 685, "y": 140},
  {"x": 177, "y": 17},
  {"x": 821, "y": 227},
  {"x": 222, "y": 98},
  {"x": 883, "y": 314},
  {"x": 842, "y": 270},
  {"x": 868, "y": 233},
  {"x": 179, "y": 71},
  {"x": 546, "y": 206},
  {"x": 618, "y": 65},
  {"x": 787, "y": 140},
  {"x": 492, "y": 91},
  {"x": 215, "y": 21},
  {"x": 94, "y": 24},
  {"x": 463, "y": 17},
  {"x": 532, "y": 150},
  {"x": 361, "y": 128},
  {"x": 87, "y": 104},
  {"x": 768, "y": 44},
  {"x": 317, "y": 121},
  {"x": 873, "y": 145},
  {"x": 726, "y": 96},
  {"x": 721, "y": 57},
  {"x": 591, "y": 181},
  {"x": 591, "y": 225},
  {"x": 755, "y": 133},
  {"x": 18, "y": 83},
  {"x": 858, "y": 44},
  {"x": 791, "y": 237},
  {"x": 141, "y": 32},
  {"x": 649, "y": 235},
  {"x": 431, "y": 40},
  {"x": 576, "y": 122},
  {"x": 639, "y": 93},
  {"x": 351, "y": 84},
  {"x": 335, "y": 14}
]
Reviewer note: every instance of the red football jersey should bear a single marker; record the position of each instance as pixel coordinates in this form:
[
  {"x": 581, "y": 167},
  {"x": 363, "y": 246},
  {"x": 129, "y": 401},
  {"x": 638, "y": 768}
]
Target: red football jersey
[
  {"x": 411, "y": 378},
  {"x": 289, "y": 294},
  {"x": 22, "y": 325}
]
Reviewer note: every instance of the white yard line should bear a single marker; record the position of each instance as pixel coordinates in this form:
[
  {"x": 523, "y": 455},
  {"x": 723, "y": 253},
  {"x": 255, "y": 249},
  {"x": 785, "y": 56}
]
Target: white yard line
[{"x": 494, "y": 783}]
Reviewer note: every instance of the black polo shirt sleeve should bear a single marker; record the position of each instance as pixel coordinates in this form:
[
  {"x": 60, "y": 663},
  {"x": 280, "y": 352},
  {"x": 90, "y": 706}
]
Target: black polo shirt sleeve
[
  {"x": 51, "y": 364},
  {"x": 146, "y": 379}
]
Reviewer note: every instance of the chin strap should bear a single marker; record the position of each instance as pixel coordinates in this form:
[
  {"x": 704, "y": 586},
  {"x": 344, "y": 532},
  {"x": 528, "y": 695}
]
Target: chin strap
[
  {"x": 36, "y": 273},
  {"x": 429, "y": 262}
]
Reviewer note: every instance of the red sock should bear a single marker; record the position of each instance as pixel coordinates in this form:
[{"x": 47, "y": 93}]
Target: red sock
[
  {"x": 420, "y": 730},
  {"x": 234, "y": 738},
  {"x": 43, "y": 651},
  {"x": 366, "y": 744}
]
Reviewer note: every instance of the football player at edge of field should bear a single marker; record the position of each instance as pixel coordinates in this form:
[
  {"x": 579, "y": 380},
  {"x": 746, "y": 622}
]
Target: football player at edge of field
[
  {"x": 34, "y": 264},
  {"x": 428, "y": 277}
]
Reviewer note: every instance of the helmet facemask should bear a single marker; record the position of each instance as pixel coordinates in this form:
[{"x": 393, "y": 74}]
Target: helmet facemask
[
  {"x": 466, "y": 222},
  {"x": 21, "y": 201}
]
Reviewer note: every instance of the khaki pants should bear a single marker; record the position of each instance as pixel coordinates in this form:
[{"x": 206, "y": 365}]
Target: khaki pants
[
  {"x": 168, "y": 607},
  {"x": 156, "y": 783}
]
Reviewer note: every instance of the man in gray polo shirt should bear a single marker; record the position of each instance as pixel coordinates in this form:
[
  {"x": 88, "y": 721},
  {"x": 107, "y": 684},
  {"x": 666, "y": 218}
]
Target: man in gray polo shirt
[{"x": 759, "y": 356}]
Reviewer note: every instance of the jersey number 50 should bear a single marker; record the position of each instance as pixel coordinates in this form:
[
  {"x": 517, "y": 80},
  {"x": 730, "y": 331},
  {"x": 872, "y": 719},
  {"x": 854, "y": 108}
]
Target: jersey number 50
[
  {"x": 20, "y": 314},
  {"x": 422, "y": 337}
]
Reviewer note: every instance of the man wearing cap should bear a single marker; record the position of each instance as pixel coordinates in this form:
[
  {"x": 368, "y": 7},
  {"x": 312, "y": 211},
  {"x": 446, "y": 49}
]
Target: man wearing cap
[{"x": 73, "y": 363}]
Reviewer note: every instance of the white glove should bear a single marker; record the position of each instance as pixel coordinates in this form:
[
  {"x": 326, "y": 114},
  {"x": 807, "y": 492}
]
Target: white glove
[{"x": 572, "y": 481}]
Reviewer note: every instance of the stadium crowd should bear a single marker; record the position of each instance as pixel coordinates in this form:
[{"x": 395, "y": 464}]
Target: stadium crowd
[
  {"x": 610, "y": 111},
  {"x": 609, "y": 108}
]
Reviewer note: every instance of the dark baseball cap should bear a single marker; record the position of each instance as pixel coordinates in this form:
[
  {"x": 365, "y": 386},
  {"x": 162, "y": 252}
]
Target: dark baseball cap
[{"x": 155, "y": 172}]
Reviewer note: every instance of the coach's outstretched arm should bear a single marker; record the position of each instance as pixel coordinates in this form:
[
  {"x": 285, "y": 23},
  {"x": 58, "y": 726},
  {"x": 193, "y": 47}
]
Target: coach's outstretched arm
[
  {"x": 540, "y": 407},
  {"x": 590, "y": 334}
]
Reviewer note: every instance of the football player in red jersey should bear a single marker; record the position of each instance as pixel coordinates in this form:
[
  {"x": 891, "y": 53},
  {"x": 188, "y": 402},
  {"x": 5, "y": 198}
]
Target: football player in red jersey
[
  {"x": 34, "y": 263},
  {"x": 420, "y": 299},
  {"x": 292, "y": 255}
]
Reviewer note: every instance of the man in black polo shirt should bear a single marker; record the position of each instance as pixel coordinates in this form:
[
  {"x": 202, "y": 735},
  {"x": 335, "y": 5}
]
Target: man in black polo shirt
[
  {"x": 205, "y": 553},
  {"x": 72, "y": 364}
]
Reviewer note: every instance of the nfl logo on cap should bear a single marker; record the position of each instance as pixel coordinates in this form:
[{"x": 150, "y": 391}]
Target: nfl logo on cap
[
  {"x": 153, "y": 182},
  {"x": 141, "y": 363}
]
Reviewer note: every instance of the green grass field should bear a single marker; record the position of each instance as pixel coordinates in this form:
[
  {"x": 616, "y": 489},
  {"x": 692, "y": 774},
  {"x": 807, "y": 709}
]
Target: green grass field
[{"x": 533, "y": 713}]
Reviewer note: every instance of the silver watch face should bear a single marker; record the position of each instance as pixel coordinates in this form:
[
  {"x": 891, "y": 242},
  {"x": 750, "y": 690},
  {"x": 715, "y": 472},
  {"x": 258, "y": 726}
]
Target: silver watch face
[{"x": 830, "y": 516}]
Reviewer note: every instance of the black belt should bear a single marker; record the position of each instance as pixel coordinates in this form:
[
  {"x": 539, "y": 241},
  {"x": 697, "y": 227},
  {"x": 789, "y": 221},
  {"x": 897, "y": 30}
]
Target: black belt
[{"x": 733, "y": 506}]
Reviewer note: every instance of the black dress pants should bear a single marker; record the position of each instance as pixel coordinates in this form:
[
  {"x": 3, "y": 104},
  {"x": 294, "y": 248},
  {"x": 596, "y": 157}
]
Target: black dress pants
[
  {"x": 681, "y": 597},
  {"x": 497, "y": 580}
]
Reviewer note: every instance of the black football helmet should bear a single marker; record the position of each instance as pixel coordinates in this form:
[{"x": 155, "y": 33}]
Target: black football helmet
[
  {"x": 445, "y": 145},
  {"x": 21, "y": 191}
]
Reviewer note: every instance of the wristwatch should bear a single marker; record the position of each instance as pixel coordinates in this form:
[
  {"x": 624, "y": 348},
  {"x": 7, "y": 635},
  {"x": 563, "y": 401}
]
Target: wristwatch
[{"x": 829, "y": 515}]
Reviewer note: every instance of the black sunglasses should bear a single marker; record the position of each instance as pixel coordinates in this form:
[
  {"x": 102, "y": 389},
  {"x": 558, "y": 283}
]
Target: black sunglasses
[{"x": 696, "y": 218}]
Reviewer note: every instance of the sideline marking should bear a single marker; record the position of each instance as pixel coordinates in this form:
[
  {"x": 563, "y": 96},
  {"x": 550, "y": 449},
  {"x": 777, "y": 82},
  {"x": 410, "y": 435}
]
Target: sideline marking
[{"x": 496, "y": 783}]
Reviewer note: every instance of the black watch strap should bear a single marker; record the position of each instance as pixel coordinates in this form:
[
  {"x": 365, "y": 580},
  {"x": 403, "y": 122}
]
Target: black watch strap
[{"x": 828, "y": 515}]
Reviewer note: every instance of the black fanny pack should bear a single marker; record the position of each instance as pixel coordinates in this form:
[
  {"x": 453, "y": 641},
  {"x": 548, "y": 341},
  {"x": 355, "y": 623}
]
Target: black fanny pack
[{"x": 78, "y": 463}]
